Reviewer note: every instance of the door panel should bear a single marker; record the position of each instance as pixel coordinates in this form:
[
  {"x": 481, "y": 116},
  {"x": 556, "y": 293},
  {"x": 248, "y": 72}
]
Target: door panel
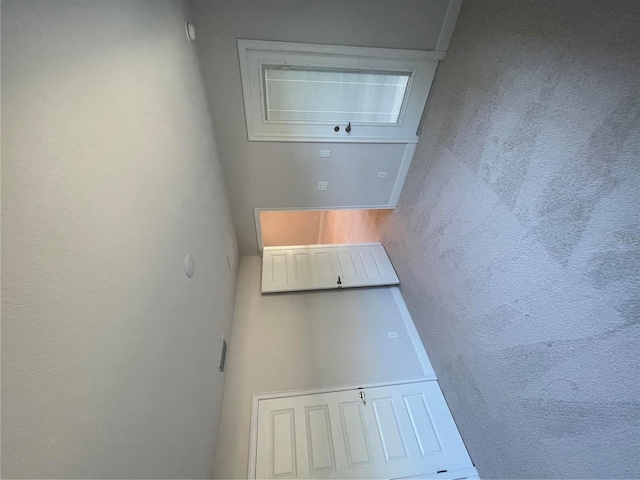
[
  {"x": 422, "y": 424},
  {"x": 371, "y": 266},
  {"x": 326, "y": 267},
  {"x": 397, "y": 431},
  {"x": 389, "y": 429},
  {"x": 321, "y": 267},
  {"x": 354, "y": 430},
  {"x": 319, "y": 440},
  {"x": 283, "y": 444}
]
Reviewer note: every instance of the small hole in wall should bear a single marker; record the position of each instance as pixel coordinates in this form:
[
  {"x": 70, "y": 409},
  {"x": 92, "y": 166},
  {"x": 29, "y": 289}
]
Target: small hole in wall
[{"x": 222, "y": 355}]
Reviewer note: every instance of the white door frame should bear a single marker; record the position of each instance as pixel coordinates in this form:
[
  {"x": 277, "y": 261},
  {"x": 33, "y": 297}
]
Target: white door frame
[{"x": 423, "y": 358}]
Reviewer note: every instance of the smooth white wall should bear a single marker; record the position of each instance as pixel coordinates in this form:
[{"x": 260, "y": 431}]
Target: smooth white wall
[
  {"x": 304, "y": 340},
  {"x": 109, "y": 177},
  {"x": 279, "y": 174}
]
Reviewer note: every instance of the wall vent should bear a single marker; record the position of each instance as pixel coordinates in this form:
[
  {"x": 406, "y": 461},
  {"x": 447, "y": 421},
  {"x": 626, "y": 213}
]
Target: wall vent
[{"x": 222, "y": 354}]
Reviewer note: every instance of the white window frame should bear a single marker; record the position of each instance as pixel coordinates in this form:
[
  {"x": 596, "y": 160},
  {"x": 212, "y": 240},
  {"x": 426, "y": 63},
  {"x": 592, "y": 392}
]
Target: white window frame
[{"x": 254, "y": 54}]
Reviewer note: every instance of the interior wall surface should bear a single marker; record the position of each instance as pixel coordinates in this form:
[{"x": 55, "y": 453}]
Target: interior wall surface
[
  {"x": 286, "y": 174},
  {"x": 110, "y": 175},
  {"x": 517, "y": 236},
  {"x": 301, "y": 341}
]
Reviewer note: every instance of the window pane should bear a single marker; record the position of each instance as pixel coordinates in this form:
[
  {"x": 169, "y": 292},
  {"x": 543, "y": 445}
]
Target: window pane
[{"x": 325, "y": 96}]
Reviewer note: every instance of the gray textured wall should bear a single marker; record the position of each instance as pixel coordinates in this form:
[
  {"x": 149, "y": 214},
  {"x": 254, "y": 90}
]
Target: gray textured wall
[
  {"x": 517, "y": 237},
  {"x": 110, "y": 174}
]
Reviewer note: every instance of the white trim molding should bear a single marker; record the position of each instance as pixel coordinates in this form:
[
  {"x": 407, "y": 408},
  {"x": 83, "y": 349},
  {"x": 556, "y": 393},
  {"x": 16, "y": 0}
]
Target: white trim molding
[
  {"x": 448, "y": 26},
  {"x": 407, "y": 158},
  {"x": 255, "y": 56}
]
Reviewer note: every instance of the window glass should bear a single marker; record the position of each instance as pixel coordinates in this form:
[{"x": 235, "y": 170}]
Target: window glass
[{"x": 328, "y": 96}]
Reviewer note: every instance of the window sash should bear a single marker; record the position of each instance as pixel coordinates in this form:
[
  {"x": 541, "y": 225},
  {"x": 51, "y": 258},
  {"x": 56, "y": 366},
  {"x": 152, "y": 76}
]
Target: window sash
[
  {"x": 266, "y": 123},
  {"x": 320, "y": 96}
]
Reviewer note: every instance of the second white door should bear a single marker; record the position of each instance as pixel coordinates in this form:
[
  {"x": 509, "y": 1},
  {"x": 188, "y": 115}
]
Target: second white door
[
  {"x": 385, "y": 432},
  {"x": 321, "y": 267}
]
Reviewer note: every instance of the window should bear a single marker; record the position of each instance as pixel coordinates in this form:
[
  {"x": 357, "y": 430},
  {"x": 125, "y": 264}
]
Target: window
[
  {"x": 333, "y": 96},
  {"x": 301, "y": 92}
]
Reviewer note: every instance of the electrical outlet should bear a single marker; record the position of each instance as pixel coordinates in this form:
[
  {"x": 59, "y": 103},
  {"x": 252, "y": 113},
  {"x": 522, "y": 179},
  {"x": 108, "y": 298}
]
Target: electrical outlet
[
  {"x": 382, "y": 174},
  {"x": 325, "y": 153},
  {"x": 323, "y": 185},
  {"x": 392, "y": 334}
]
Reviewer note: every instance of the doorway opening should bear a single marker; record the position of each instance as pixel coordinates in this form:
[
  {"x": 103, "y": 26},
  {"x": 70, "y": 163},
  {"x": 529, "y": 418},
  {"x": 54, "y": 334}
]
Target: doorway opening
[{"x": 278, "y": 228}]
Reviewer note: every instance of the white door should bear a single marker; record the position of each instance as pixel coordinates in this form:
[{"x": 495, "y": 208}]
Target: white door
[
  {"x": 321, "y": 267},
  {"x": 385, "y": 432}
]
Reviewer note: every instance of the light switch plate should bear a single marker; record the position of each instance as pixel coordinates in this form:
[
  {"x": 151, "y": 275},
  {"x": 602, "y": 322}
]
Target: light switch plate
[
  {"x": 323, "y": 185},
  {"x": 382, "y": 174},
  {"x": 325, "y": 153}
]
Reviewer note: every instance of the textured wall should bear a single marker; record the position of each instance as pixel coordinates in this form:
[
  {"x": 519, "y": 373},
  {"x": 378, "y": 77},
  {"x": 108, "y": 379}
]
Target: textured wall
[
  {"x": 517, "y": 236},
  {"x": 109, "y": 176},
  {"x": 286, "y": 174}
]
